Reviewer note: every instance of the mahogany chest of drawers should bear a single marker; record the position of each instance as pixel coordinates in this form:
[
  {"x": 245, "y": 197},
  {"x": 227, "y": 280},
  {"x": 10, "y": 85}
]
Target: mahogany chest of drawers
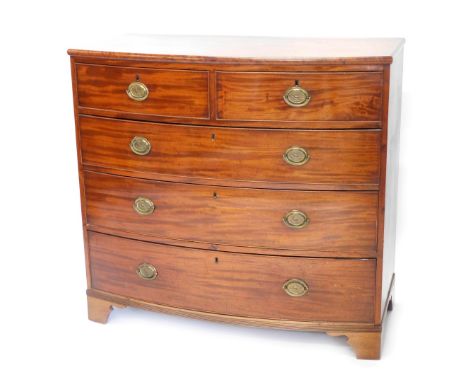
[{"x": 243, "y": 180}]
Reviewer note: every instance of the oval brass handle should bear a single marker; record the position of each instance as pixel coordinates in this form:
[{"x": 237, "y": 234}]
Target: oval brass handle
[
  {"x": 140, "y": 146},
  {"x": 295, "y": 287},
  {"x": 296, "y": 156},
  {"x": 296, "y": 96},
  {"x": 296, "y": 219},
  {"x": 146, "y": 271},
  {"x": 143, "y": 206},
  {"x": 137, "y": 91}
]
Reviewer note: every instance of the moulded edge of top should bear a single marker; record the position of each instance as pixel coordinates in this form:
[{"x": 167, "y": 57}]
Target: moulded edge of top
[{"x": 204, "y": 49}]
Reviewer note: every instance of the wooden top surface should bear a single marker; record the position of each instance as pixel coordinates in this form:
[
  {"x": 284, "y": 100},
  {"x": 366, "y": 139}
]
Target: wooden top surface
[{"x": 225, "y": 48}]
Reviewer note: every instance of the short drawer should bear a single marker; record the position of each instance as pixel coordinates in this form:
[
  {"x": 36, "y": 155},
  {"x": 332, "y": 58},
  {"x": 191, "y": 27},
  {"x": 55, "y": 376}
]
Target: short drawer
[
  {"x": 166, "y": 93},
  {"x": 286, "y": 158},
  {"x": 278, "y": 219},
  {"x": 276, "y": 287},
  {"x": 341, "y": 96}
]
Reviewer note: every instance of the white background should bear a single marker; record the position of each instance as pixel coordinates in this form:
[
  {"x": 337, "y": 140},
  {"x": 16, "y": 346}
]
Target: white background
[{"x": 44, "y": 331}]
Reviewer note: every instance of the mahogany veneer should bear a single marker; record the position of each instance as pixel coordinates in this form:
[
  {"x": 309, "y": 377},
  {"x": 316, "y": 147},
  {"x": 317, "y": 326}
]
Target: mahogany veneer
[
  {"x": 348, "y": 159},
  {"x": 244, "y": 217},
  {"x": 242, "y": 180},
  {"x": 173, "y": 92},
  {"x": 338, "y": 96},
  {"x": 234, "y": 283}
]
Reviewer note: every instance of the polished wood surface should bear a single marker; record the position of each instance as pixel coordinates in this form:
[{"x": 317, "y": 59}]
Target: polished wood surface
[
  {"x": 312, "y": 326},
  {"x": 366, "y": 345},
  {"x": 99, "y": 310},
  {"x": 178, "y": 93},
  {"x": 235, "y": 284},
  {"x": 80, "y": 173},
  {"x": 344, "y": 159},
  {"x": 334, "y": 96},
  {"x": 347, "y": 253},
  {"x": 229, "y": 48},
  {"x": 123, "y": 107},
  {"x": 363, "y": 338},
  {"x": 233, "y": 216},
  {"x": 219, "y": 126},
  {"x": 162, "y": 62}
]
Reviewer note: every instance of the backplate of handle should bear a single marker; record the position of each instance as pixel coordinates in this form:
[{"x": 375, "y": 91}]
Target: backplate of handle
[
  {"x": 140, "y": 145},
  {"x": 296, "y": 96},
  {"x": 143, "y": 206},
  {"x": 296, "y": 219},
  {"x": 137, "y": 91},
  {"x": 296, "y": 156},
  {"x": 146, "y": 271},
  {"x": 295, "y": 287}
]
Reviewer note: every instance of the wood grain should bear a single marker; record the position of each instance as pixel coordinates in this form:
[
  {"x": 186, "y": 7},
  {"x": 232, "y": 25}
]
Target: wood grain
[
  {"x": 366, "y": 345},
  {"x": 240, "y": 217},
  {"x": 344, "y": 159},
  {"x": 245, "y": 49},
  {"x": 163, "y": 62},
  {"x": 312, "y": 326},
  {"x": 235, "y": 284},
  {"x": 221, "y": 187},
  {"x": 99, "y": 310},
  {"x": 348, "y": 253},
  {"x": 179, "y": 93},
  {"x": 334, "y": 96},
  {"x": 80, "y": 171},
  {"x": 135, "y": 65}
]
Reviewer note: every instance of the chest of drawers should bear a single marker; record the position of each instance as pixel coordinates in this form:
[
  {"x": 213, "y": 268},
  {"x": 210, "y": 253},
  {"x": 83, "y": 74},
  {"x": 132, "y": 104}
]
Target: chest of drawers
[{"x": 242, "y": 180}]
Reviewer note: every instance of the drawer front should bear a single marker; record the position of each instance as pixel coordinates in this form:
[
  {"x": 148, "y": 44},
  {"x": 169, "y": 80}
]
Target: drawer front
[
  {"x": 339, "y": 290},
  {"x": 271, "y": 156},
  {"x": 169, "y": 93},
  {"x": 296, "y": 220},
  {"x": 317, "y": 96}
]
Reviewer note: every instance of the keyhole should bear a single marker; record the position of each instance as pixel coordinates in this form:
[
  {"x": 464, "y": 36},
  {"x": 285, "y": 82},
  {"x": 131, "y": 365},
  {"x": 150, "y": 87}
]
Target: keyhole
[
  {"x": 296, "y": 82},
  {"x": 215, "y": 195},
  {"x": 216, "y": 260},
  {"x": 213, "y": 136},
  {"x": 137, "y": 77}
]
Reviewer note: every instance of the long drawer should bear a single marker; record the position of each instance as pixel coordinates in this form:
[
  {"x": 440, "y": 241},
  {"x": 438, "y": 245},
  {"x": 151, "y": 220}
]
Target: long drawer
[
  {"x": 289, "y": 96},
  {"x": 271, "y": 158},
  {"x": 140, "y": 91},
  {"x": 298, "y": 289},
  {"x": 295, "y": 220}
]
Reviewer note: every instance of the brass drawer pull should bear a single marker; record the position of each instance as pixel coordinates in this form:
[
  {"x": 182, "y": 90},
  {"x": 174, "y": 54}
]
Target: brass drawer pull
[
  {"x": 140, "y": 146},
  {"x": 296, "y": 156},
  {"x": 296, "y": 96},
  {"x": 296, "y": 219},
  {"x": 137, "y": 91},
  {"x": 146, "y": 271},
  {"x": 295, "y": 287},
  {"x": 143, "y": 206}
]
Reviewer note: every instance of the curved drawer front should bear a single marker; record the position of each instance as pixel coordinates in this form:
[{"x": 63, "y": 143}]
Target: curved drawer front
[
  {"x": 338, "y": 158},
  {"x": 340, "y": 96},
  {"x": 167, "y": 93},
  {"x": 296, "y": 220},
  {"x": 275, "y": 287}
]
